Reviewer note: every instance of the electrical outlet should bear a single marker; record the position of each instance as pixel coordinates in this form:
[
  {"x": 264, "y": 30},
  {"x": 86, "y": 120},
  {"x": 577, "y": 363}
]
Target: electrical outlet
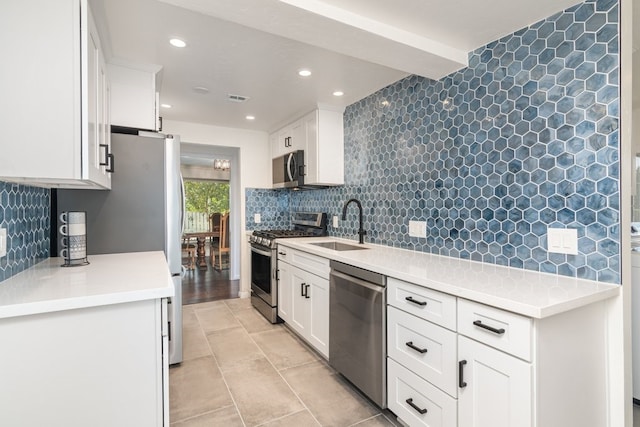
[
  {"x": 418, "y": 229},
  {"x": 335, "y": 221},
  {"x": 3, "y": 242},
  {"x": 562, "y": 240},
  {"x": 257, "y": 218}
]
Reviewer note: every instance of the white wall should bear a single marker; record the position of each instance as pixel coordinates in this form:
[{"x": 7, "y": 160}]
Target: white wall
[{"x": 255, "y": 170}]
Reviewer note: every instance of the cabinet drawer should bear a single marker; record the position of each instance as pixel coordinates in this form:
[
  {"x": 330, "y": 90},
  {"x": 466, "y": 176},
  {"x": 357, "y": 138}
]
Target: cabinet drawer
[
  {"x": 308, "y": 262},
  {"x": 283, "y": 253},
  {"x": 430, "y": 305},
  {"x": 424, "y": 348},
  {"x": 406, "y": 389},
  {"x": 501, "y": 329}
]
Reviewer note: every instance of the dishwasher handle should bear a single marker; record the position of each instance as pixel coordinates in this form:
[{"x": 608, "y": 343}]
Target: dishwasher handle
[{"x": 356, "y": 281}]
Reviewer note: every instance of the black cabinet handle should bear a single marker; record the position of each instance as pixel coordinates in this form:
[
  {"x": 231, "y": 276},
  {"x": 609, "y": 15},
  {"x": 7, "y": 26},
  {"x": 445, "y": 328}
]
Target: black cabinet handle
[
  {"x": 106, "y": 154},
  {"x": 479, "y": 324},
  {"x": 461, "y": 382},
  {"x": 410, "y": 299},
  {"x": 416, "y": 407},
  {"x": 282, "y": 253},
  {"x": 302, "y": 285},
  {"x": 111, "y": 167},
  {"x": 306, "y": 291},
  {"x": 418, "y": 349}
]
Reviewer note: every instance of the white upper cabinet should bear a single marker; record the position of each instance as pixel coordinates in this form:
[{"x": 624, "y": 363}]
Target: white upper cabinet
[
  {"x": 324, "y": 155},
  {"x": 321, "y": 135},
  {"x": 54, "y": 101},
  {"x": 134, "y": 102},
  {"x": 289, "y": 138}
]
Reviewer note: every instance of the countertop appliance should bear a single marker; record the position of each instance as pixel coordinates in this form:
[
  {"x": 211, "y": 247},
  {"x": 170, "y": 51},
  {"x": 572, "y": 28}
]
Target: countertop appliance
[
  {"x": 288, "y": 170},
  {"x": 264, "y": 259},
  {"x": 143, "y": 211},
  {"x": 357, "y": 328}
]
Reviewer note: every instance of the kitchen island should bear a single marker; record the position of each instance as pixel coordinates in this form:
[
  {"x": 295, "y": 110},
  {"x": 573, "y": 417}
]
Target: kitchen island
[
  {"x": 86, "y": 345},
  {"x": 470, "y": 343}
]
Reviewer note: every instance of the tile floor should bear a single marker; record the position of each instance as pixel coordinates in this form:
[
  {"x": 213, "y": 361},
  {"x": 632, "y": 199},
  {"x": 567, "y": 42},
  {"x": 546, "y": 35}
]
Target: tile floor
[{"x": 240, "y": 370}]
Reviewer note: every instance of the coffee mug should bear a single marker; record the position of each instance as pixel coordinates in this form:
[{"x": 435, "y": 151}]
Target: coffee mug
[
  {"x": 73, "y": 229},
  {"x": 74, "y": 247},
  {"x": 73, "y": 217}
]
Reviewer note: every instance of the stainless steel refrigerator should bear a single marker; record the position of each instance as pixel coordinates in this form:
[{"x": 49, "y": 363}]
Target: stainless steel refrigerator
[{"x": 143, "y": 211}]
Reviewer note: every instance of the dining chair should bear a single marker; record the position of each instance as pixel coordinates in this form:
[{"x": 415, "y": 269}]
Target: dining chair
[
  {"x": 214, "y": 224},
  {"x": 223, "y": 244},
  {"x": 189, "y": 248}
]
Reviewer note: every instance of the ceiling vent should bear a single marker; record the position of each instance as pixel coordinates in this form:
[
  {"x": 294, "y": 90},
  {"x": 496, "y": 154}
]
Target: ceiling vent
[{"x": 237, "y": 98}]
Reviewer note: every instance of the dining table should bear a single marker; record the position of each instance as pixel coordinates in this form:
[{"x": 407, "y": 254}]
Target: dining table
[{"x": 201, "y": 238}]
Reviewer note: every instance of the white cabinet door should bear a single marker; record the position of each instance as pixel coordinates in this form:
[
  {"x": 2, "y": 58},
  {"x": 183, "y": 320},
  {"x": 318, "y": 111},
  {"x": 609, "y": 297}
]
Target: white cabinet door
[
  {"x": 300, "y": 307},
  {"x": 318, "y": 330},
  {"x": 494, "y": 388},
  {"x": 285, "y": 291},
  {"x": 58, "y": 145}
]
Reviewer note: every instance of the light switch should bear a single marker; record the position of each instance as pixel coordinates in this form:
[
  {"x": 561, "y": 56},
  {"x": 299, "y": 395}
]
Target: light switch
[
  {"x": 562, "y": 240},
  {"x": 335, "y": 221},
  {"x": 418, "y": 229},
  {"x": 3, "y": 242},
  {"x": 257, "y": 218}
]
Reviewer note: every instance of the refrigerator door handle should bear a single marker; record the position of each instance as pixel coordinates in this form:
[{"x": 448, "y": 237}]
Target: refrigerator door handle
[{"x": 183, "y": 206}]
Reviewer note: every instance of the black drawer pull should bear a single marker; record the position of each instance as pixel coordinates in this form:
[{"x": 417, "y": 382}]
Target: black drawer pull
[
  {"x": 418, "y": 349},
  {"x": 302, "y": 285},
  {"x": 479, "y": 324},
  {"x": 306, "y": 291},
  {"x": 461, "y": 382},
  {"x": 410, "y": 299},
  {"x": 416, "y": 407}
]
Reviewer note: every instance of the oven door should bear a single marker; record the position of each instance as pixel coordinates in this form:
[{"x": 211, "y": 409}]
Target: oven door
[{"x": 263, "y": 274}]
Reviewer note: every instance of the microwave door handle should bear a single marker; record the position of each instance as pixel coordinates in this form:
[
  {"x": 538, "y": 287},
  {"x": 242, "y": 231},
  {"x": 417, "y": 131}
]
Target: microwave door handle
[{"x": 290, "y": 159}]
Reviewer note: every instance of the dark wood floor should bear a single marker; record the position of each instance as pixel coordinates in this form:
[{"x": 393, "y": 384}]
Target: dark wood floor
[{"x": 202, "y": 285}]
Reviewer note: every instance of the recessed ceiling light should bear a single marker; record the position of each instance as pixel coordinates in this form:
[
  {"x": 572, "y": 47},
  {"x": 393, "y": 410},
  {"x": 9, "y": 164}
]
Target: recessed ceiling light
[
  {"x": 201, "y": 89},
  {"x": 338, "y": 93},
  {"x": 166, "y": 105},
  {"x": 304, "y": 73},
  {"x": 177, "y": 43},
  {"x": 250, "y": 117}
]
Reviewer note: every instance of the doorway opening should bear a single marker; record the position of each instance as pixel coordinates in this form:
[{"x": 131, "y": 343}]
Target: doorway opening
[{"x": 210, "y": 232}]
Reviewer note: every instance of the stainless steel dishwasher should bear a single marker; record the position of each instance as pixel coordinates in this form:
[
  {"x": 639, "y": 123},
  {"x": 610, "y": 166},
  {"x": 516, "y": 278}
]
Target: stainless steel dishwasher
[{"x": 357, "y": 329}]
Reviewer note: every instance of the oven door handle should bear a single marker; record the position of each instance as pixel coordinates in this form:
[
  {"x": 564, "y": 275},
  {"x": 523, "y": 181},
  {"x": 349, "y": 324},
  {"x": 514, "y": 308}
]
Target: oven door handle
[{"x": 260, "y": 251}]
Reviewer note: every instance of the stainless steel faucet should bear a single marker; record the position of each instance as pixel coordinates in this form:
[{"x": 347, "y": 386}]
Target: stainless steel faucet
[{"x": 361, "y": 232}]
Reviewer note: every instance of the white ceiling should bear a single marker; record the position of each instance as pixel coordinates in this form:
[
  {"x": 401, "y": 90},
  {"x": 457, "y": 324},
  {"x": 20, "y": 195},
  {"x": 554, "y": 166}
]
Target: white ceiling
[{"x": 254, "y": 48}]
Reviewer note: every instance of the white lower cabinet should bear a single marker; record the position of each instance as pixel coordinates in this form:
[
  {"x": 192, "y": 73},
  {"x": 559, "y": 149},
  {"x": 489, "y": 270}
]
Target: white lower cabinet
[
  {"x": 495, "y": 388},
  {"x": 491, "y": 367},
  {"x": 416, "y": 401},
  {"x": 109, "y": 367},
  {"x": 303, "y": 297}
]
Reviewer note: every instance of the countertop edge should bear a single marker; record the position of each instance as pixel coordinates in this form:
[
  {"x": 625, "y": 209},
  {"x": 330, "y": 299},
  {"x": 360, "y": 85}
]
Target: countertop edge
[{"x": 538, "y": 312}]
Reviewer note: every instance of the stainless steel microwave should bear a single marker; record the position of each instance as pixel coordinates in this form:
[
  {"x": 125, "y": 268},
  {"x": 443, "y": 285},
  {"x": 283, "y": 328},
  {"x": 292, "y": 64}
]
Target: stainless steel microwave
[{"x": 288, "y": 170}]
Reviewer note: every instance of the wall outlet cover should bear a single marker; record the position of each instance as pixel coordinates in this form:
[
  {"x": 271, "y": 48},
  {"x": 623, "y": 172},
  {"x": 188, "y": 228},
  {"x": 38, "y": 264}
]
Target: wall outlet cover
[
  {"x": 257, "y": 218},
  {"x": 562, "y": 240},
  {"x": 3, "y": 242},
  {"x": 335, "y": 221},
  {"x": 418, "y": 229}
]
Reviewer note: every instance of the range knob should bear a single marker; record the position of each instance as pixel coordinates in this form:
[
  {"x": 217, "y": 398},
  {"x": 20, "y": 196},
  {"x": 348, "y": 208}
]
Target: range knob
[{"x": 266, "y": 242}]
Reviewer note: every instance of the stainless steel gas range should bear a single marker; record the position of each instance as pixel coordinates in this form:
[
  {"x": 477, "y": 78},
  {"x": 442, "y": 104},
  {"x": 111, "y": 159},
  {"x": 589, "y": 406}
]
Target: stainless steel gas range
[{"x": 264, "y": 259}]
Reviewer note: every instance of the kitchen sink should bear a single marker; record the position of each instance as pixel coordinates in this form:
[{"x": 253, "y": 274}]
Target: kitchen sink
[{"x": 337, "y": 246}]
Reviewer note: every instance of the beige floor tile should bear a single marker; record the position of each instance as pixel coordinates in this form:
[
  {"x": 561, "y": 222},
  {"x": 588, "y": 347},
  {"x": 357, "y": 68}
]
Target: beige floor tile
[
  {"x": 189, "y": 316},
  {"x": 260, "y": 393},
  {"x": 299, "y": 419},
  {"x": 206, "y": 305},
  {"x": 329, "y": 398},
  {"x": 225, "y": 417},
  {"x": 253, "y": 321},
  {"x": 282, "y": 349},
  {"x": 194, "y": 343},
  {"x": 196, "y": 387},
  {"x": 377, "y": 421},
  {"x": 216, "y": 317},
  {"x": 236, "y": 304},
  {"x": 232, "y": 346}
]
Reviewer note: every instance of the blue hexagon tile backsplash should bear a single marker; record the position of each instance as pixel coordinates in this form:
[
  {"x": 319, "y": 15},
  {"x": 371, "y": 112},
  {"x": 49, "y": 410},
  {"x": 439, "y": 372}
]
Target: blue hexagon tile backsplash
[
  {"x": 24, "y": 212},
  {"x": 523, "y": 139}
]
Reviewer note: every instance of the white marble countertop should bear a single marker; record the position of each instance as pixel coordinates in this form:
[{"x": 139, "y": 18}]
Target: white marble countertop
[
  {"x": 108, "y": 279},
  {"x": 526, "y": 292}
]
